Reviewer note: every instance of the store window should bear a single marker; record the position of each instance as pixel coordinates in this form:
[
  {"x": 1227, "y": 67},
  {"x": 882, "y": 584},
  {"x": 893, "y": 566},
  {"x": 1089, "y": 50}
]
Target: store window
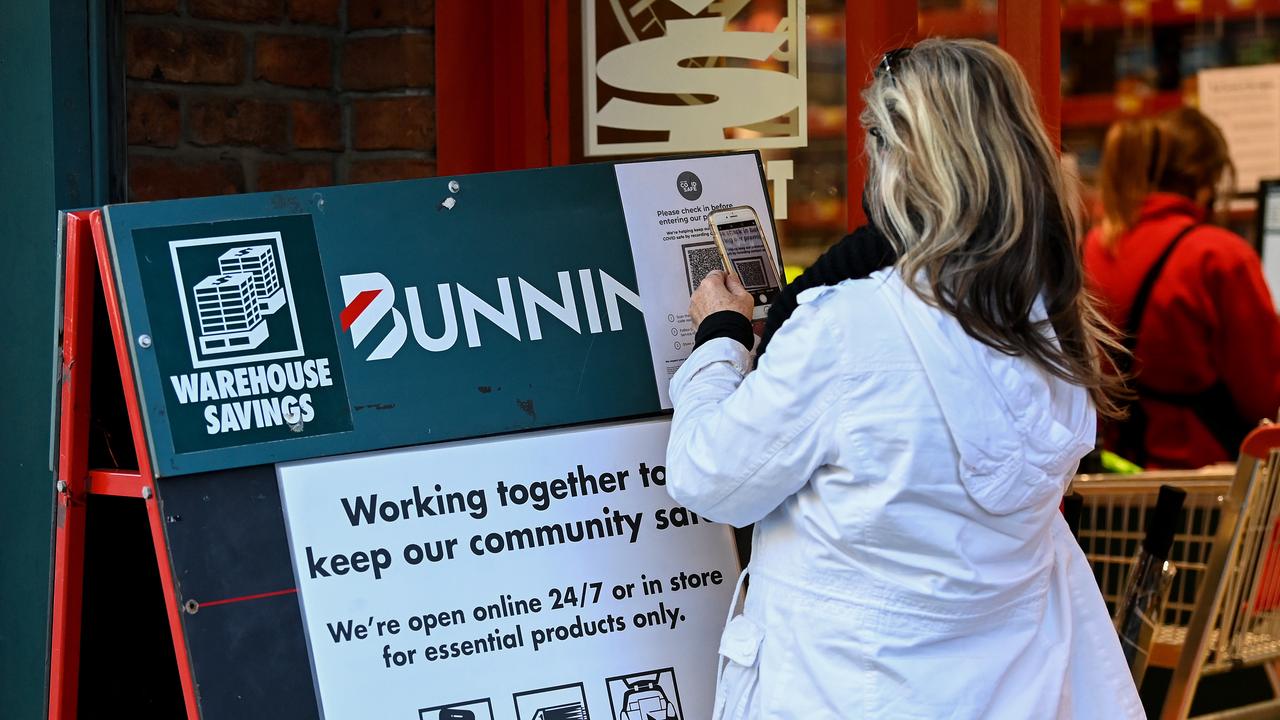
[
  {"x": 1142, "y": 57},
  {"x": 808, "y": 180},
  {"x": 816, "y": 198}
]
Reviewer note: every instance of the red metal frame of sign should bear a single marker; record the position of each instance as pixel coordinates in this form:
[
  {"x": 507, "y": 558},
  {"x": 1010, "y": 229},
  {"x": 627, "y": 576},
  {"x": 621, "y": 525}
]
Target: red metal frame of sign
[
  {"x": 73, "y": 471},
  {"x": 86, "y": 241}
]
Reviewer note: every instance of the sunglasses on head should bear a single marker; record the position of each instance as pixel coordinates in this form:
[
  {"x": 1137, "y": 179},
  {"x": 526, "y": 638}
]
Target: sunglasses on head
[{"x": 890, "y": 60}]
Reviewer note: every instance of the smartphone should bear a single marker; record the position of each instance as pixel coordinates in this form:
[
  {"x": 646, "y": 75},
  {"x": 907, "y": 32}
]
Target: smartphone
[{"x": 747, "y": 254}]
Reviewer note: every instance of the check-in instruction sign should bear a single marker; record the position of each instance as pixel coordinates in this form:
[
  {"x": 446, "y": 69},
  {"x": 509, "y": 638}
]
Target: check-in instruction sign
[{"x": 541, "y": 576}]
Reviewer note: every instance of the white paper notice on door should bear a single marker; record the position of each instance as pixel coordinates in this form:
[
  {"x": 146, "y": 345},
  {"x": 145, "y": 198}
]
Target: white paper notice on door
[
  {"x": 666, "y": 203},
  {"x": 1245, "y": 103}
]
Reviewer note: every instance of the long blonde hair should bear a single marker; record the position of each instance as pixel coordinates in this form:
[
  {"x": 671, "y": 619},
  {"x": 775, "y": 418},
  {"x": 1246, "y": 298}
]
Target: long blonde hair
[
  {"x": 1181, "y": 151},
  {"x": 967, "y": 185}
]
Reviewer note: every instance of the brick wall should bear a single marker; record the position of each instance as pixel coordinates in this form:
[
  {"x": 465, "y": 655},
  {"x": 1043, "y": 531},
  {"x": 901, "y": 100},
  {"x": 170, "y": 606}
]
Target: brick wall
[{"x": 227, "y": 96}]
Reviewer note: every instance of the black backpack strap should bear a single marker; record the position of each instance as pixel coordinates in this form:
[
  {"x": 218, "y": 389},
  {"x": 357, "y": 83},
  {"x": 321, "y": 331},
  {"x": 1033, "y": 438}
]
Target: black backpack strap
[
  {"x": 1133, "y": 429},
  {"x": 1133, "y": 323}
]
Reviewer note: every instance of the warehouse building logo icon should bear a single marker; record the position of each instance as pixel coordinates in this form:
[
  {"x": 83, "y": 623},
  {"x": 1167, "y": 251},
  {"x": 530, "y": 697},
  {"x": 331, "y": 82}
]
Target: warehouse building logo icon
[{"x": 236, "y": 299}]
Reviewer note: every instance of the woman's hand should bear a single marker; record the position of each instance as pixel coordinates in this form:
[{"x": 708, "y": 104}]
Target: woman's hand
[{"x": 719, "y": 291}]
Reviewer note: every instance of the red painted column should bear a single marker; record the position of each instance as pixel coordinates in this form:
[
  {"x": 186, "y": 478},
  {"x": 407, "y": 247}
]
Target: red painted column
[
  {"x": 558, "y": 72},
  {"x": 1030, "y": 30},
  {"x": 872, "y": 27},
  {"x": 491, "y": 86}
]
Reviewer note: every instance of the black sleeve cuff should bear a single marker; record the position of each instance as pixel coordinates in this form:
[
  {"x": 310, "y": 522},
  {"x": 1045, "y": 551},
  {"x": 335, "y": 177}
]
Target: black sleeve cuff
[{"x": 726, "y": 323}]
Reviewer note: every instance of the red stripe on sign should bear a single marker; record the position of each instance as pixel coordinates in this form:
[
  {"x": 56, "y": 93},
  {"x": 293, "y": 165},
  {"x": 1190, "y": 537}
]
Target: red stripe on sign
[
  {"x": 243, "y": 598},
  {"x": 357, "y": 306}
]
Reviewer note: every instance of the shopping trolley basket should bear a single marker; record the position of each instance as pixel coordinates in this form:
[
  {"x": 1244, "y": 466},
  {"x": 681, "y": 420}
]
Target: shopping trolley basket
[{"x": 1224, "y": 607}]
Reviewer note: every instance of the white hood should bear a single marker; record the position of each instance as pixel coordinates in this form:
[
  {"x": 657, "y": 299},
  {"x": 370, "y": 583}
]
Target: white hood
[{"x": 1020, "y": 431}]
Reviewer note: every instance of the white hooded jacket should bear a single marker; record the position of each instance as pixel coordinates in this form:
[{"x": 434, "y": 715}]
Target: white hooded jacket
[{"x": 909, "y": 557}]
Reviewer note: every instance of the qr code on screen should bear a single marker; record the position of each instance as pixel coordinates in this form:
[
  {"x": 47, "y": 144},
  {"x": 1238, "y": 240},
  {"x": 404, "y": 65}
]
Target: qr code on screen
[
  {"x": 700, "y": 259},
  {"x": 751, "y": 273}
]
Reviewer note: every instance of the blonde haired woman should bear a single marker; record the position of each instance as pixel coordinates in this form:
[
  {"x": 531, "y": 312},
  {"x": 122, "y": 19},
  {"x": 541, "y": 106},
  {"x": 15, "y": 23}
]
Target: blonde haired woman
[{"x": 904, "y": 445}]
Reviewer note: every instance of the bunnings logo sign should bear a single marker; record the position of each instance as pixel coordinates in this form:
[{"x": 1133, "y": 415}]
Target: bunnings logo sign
[{"x": 456, "y": 311}]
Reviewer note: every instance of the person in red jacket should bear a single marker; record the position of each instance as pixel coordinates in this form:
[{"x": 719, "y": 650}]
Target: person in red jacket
[{"x": 1189, "y": 297}]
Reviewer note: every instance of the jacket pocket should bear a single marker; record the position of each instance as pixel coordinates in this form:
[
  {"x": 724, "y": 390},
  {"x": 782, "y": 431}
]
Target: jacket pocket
[{"x": 739, "y": 669}]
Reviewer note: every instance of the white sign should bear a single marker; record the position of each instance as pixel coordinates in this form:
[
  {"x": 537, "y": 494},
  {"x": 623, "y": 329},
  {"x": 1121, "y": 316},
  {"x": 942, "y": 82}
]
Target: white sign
[
  {"x": 666, "y": 204},
  {"x": 1245, "y": 103},
  {"x": 690, "y": 72},
  {"x": 1269, "y": 208},
  {"x": 533, "y": 577}
]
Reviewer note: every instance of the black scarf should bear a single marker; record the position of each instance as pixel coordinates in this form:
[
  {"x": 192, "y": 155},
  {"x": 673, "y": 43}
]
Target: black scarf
[{"x": 857, "y": 255}]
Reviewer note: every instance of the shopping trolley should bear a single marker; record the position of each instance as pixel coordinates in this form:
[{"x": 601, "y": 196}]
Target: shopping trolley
[{"x": 1224, "y": 607}]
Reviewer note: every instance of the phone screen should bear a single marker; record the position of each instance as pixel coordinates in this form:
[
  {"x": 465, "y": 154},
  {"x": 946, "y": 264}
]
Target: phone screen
[{"x": 752, "y": 263}]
